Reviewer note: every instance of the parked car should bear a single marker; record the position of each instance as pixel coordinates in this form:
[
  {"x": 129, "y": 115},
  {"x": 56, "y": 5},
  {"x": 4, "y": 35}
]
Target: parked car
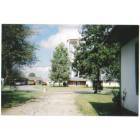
[
  {"x": 20, "y": 82},
  {"x": 44, "y": 83}
]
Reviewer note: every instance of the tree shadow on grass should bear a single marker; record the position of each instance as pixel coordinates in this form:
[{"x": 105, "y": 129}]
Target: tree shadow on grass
[
  {"x": 92, "y": 92},
  {"x": 107, "y": 93},
  {"x": 12, "y": 98},
  {"x": 84, "y": 92},
  {"x": 110, "y": 109}
]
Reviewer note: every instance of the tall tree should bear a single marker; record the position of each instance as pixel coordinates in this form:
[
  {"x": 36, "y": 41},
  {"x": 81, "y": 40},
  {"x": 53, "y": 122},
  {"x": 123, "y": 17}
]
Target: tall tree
[
  {"x": 16, "y": 49},
  {"x": 93, "y": 56},
  {"x": 60, "y": 69}
]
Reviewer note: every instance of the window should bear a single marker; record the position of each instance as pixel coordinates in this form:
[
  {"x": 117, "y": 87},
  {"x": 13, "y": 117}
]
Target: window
[{"x": 137, "y": 67}]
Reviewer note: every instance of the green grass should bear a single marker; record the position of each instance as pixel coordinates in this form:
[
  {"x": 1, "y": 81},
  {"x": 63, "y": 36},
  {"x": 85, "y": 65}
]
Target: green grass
[
  {"x": 100, "y": 104},
  {"x": 50, "y": 89},
  {"x": 11, "y": 98},
  {"x": 7, "y": 88}
]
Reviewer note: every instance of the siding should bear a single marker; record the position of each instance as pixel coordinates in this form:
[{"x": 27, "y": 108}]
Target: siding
[{"x": 128, "y": 83}]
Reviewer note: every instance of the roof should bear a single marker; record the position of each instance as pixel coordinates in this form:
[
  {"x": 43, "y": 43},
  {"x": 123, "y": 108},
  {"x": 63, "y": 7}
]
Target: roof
[
  {"x": 34, "y": 78},
  {"x": 77, "y": 79},
  {"x": 123, "y": 33}
]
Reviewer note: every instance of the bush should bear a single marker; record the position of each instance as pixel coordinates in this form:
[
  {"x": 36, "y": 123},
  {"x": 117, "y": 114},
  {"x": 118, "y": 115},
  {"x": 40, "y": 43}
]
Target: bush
[{"x": 117, "y": 97}]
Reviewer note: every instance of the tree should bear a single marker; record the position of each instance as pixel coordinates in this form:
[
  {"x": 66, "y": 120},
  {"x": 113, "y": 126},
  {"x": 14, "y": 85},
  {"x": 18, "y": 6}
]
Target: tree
[
  {"x": 32, "y": 74},
  {"x": 17, "y": 51},
  {"x": 93, "y": 56},
  {"x": 17, "y": 73},
  {"x": 60, "y": 68}
]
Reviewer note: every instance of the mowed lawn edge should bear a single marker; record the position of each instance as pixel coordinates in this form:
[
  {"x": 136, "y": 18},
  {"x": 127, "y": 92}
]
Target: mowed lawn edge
[{"x": 96, "y": 104}]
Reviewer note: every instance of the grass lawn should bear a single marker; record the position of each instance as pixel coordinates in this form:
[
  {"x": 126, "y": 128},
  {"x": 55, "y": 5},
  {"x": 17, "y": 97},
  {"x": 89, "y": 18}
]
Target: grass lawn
[
  {"x": 11, "y": 98},
  {"x": 99, "y": 104},
  {"x": 70, "y": 88}
]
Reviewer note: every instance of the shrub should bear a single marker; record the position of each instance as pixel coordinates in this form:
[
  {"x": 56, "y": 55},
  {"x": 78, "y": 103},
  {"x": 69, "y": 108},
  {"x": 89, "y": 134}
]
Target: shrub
[{"x": 117, "y": 97}]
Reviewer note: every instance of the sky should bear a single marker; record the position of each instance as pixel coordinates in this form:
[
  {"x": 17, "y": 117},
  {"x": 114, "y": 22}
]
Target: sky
[{"x": 46, "y": 38}]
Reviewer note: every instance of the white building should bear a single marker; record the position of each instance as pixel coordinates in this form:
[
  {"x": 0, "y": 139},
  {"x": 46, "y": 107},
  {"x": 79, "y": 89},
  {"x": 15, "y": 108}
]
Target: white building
[
  {"x": 71, "y": 43},
  {"x": 128, "y": 36},
  {"x": 75, "y": 80},
  {"x": 110, "y": 84}
]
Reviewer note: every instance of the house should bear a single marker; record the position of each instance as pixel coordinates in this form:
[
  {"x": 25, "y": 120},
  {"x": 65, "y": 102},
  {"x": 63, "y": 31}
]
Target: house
[
  {"x": 128, "y": 37},
  {"x": 111, "y": 84},
  {"x": 34, "y": 80},
  {"x": 76, "y": 81}
]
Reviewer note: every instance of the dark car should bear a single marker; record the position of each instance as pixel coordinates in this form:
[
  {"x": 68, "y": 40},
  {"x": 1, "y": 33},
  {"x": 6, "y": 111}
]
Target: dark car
[
  {"x": 20, "y": 82},
  {"x": 44, "y": 83}
]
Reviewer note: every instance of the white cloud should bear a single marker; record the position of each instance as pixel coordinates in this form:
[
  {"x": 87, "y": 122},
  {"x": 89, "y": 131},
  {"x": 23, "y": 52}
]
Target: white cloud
[
  {"x": 38, "y": 69},
  {"x": 65, "y": 32}
]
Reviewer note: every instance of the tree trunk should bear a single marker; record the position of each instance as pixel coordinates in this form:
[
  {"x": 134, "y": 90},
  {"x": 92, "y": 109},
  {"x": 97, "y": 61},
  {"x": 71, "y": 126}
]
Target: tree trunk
[
  {"x": 97, "y": 81},
  {"x": 93, "y": 84},
  {"x": 7, "y": 77},
  {"x": 8, "y": 71}
]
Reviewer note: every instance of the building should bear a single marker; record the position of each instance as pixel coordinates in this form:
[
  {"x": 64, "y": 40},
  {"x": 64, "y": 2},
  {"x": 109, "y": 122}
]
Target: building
[
  {"x": 75, "y": 79},
  {"x": 128, "y": 37},
  {"x": 111, "y": 84},
  {"x": 34, "y": 80}
]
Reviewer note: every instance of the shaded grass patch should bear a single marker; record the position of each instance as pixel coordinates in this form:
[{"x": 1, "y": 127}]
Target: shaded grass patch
[
  {"x": 16, "y": 98},
  {"x": 106, "y": 109},
  {"x": 100, "y": 104}
]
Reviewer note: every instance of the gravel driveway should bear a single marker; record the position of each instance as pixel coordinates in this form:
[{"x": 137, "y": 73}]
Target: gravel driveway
[{"x": 54, "y": 103}]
